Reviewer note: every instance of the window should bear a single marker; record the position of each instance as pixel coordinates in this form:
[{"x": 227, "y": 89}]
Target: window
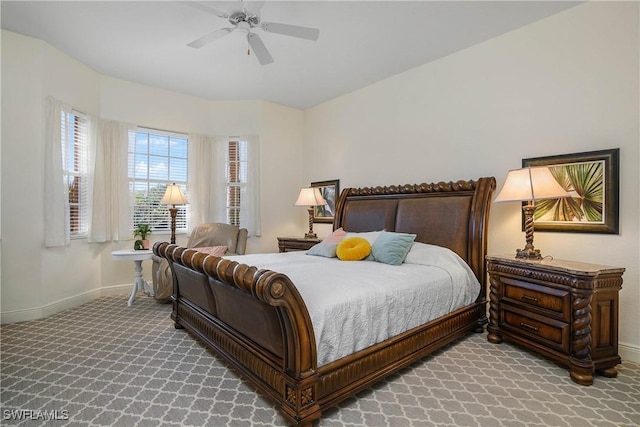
[
  {"x": 236, "y": 178},
  {"x": 157, "y": 159},
  {"x": 75, "y": 166}
]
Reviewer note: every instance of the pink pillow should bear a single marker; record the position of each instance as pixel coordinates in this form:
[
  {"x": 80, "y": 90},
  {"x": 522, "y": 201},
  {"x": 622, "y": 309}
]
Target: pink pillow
[
  {"x": 336, "y": 236},
  {"x": 212, "y": 250}
]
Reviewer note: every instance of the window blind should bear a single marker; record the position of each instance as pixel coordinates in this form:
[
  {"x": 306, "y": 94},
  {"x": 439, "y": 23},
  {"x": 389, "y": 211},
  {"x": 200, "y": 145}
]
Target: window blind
[
  {"x": 75, "y": 163},
  {"x": 157, "y": 159},
  {"x": 236, "y": 177}
]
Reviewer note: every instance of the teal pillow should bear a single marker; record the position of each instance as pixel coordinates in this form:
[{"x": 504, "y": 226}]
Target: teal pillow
[
  {"x": 327, "y": 250},
  {"x": 392, "y": 248}
]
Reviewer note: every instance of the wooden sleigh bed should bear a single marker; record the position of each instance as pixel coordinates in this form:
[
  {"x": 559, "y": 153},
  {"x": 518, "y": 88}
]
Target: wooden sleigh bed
[{"x": 257, "y": 321}]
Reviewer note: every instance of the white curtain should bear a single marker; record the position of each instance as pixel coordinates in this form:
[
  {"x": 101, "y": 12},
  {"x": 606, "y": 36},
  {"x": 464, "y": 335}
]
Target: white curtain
[
  {"x": 56, "y": 218},
  {"x": 202, "y": 189},
  {"x": 109, "y": 200},
  {"x": 250, "y": 202},
  {"x": 219, "y": 201},
  {"x": 109, "y": 196}
]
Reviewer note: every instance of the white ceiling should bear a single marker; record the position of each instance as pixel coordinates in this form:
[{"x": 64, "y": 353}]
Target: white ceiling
[{"x": 360, "y": 42}]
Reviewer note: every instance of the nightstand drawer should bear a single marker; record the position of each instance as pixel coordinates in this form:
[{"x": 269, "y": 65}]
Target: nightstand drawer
[
  {"x": 556, "y": 301},
  {"x": 552, "y": 333},
  {"x": 287, "y": 244}
]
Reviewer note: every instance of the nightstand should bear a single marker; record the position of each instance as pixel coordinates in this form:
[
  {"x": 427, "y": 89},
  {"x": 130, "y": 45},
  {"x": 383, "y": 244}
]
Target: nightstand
[
  {"x": 564, "y": 310},
  {"x": 287, "y": 244}
]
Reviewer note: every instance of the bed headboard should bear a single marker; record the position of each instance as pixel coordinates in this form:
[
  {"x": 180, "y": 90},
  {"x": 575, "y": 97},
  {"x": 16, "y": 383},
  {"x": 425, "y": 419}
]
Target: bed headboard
[{"x": 450, "y": 214}]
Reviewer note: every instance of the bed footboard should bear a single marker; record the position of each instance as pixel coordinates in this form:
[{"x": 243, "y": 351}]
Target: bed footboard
[{"x": 255, "y": 319}]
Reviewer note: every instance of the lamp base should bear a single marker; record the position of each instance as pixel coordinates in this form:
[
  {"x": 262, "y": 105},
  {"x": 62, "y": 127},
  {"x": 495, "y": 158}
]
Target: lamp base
[
  {"x": 310, "y": 234},
  {"x": 174, "y": 212},
  {"x": 528, "y": 253}
]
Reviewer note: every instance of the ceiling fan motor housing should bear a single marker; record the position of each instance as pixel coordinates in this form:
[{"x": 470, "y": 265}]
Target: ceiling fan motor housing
[{"x": 242, "y": 16}]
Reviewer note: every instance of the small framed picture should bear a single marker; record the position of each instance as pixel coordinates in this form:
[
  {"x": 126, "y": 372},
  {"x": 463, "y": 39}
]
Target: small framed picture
[
  {"x": 591, "y": 178},
  {"x": 330, "y": 190}
]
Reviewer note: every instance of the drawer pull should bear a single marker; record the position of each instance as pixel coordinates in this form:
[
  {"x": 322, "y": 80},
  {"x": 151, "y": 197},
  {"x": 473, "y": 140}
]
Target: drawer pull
[
  {"x": 528, "y": 298},
  {"x": 530, "y": 327}
]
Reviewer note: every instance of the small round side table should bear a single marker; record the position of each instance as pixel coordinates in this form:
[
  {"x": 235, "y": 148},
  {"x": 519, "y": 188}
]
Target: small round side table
[{"x": 139, "y": 284}]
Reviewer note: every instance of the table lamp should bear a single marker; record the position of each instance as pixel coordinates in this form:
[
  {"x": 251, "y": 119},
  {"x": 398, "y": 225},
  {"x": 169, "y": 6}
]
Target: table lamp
[
  {"x": 173, "y": 196},
  {"x": 310, "y": 197},
  {"x": 528, "y": 185}
]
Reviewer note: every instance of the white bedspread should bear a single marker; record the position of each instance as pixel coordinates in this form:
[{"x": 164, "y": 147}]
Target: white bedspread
[{"x": 355, "y": 304}]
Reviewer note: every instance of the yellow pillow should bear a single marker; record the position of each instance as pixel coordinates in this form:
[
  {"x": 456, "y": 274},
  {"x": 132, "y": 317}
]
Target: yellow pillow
[{"x": 353, "y": 249}]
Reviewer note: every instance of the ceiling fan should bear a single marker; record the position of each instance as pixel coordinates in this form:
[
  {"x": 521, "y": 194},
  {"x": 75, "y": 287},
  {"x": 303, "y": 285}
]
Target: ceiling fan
[{"x": 246, "y": 22}]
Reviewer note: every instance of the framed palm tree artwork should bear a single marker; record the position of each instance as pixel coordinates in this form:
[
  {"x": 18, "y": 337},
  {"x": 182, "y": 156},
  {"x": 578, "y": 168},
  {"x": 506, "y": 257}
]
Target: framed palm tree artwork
[
  {"x": 591, "y": 178},
  {"x": 330, "y": 190}
]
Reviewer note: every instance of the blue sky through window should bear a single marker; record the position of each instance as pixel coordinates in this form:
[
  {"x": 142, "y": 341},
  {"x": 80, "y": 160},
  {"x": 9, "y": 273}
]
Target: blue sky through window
[{"x": 157, "y": 159}]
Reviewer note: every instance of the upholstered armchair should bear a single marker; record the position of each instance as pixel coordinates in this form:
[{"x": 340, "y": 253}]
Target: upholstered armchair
[{"x": 203, "y": 236}]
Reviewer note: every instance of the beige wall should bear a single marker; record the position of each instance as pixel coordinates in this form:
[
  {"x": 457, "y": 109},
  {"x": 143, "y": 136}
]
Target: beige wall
[{"x": 566, "y": 84}]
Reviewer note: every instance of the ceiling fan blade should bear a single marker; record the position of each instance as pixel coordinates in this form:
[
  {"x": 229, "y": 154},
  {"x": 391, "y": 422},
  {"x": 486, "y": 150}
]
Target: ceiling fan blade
[
  {"x": 260, "y": 50},
  {"x": 208, "y": 38},
  {"x": 292, "y": 30},
  {"x": 253, "y": 6},
  {"x": 206, "y": 8}
]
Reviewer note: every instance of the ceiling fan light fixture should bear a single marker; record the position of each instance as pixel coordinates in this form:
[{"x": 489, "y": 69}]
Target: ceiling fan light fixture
[{"x": 244, "y": 27}]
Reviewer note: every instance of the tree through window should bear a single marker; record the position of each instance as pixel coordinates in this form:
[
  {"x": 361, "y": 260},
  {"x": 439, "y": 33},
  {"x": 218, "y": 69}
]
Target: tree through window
[{"x": 156, "y": 160}]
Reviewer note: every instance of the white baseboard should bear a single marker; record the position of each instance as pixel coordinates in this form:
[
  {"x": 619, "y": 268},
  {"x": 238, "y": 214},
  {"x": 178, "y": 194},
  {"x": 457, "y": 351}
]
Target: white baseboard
[
  {"x": 629, "y": 352},
  {"x": 46, "y": 310}
]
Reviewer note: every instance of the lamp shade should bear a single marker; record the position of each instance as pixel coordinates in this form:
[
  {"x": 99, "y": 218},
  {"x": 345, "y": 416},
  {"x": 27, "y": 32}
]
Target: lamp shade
[
  {"x": 532, "y": 183},
  {"x": 173, "y": 196},
  {"x": 310, "y": 197}
]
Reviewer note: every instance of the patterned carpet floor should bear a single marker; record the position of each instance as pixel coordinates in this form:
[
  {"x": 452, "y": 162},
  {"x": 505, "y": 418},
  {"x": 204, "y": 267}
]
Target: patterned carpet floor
[{"x": 106, "y": 364}]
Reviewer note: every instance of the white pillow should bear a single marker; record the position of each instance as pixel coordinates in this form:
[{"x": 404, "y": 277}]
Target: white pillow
[
  {"x": 426, "y": 254},
  {"x": 437, "y": 256},
  {"x": 370, "y": 236}
]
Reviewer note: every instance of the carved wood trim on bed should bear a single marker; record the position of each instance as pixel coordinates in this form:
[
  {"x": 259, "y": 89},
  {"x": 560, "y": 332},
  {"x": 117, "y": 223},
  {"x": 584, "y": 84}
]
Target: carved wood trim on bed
[{"x": 257, "y": 321}]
